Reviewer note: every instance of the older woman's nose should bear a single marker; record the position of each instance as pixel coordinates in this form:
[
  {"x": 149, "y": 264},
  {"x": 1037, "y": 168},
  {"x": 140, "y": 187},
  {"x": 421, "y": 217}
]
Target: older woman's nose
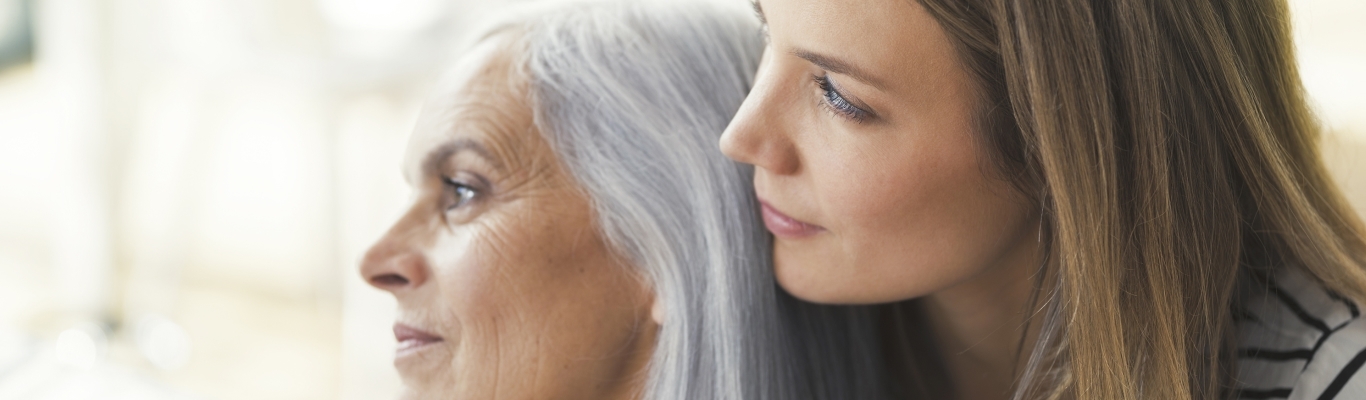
[{"x": 394, "y": 266}]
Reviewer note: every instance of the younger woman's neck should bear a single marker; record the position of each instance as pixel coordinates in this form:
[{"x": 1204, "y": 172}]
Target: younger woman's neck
[{"x": 979, "y": 325}]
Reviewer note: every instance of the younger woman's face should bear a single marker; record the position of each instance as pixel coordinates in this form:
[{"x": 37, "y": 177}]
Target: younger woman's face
[{"x": 873, "y": 180}]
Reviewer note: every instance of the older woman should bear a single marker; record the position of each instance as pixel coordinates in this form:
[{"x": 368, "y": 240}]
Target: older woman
[{"x": 575, "y": 233}]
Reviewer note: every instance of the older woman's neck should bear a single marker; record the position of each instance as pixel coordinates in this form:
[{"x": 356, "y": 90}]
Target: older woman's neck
[{"x": 628, "y": 383}]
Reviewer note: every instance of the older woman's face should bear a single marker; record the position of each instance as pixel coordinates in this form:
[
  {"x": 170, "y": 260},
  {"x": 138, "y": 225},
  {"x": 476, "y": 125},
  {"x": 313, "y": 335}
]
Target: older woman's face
[{"x": 506, "y": 288}]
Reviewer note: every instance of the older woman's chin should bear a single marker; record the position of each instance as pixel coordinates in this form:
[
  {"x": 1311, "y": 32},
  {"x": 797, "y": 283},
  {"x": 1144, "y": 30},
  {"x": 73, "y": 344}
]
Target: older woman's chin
[
  {"x": 425, "y": 369},
  {"x": 439, "y": 393}
]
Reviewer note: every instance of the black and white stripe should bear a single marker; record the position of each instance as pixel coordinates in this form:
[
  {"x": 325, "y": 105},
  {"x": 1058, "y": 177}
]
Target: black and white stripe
[{"x": 1299, "y": 341}]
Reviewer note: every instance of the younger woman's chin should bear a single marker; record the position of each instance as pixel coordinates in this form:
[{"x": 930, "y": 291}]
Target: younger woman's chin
[
  {"x": 809, "y": 280},
  {"x": 820, "y": 279}
]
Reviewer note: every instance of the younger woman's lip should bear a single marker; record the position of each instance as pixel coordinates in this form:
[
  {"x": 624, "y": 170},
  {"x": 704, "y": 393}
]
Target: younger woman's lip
[
  {"x": 787, "y": 227},
  {"x": 410, "y": 339}
]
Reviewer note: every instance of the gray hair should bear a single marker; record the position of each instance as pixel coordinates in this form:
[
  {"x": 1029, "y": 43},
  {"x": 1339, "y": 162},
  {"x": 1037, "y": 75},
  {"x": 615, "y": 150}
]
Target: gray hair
[{"x": 633, "y": 96}]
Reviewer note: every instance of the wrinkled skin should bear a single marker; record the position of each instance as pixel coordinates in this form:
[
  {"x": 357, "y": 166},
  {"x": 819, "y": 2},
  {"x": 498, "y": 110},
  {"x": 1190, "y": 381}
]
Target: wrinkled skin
[
  {"x": 884, "y": 166},
  {"x": 529, "y": 300}
]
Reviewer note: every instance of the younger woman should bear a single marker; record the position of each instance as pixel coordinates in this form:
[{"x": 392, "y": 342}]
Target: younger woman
[{"x": 1086, "y": 199}]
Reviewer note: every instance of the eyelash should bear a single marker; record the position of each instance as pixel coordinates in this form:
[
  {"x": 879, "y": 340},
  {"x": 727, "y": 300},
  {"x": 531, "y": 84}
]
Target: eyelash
[
  {"x": 835, "y": 102},
  {"x": 464, "y": 194}
]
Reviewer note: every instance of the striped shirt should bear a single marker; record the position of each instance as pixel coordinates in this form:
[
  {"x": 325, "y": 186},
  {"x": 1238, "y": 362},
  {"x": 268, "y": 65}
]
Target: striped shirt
[{"x": 1299, "y": 341}]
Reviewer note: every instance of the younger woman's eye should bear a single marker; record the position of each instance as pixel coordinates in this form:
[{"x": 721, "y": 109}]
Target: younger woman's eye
[
  {"x": 461, "y": 193},
  {"x": 837, "y": 103}
]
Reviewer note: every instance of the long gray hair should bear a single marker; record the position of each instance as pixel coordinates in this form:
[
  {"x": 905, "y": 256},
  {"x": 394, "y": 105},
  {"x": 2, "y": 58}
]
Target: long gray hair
[{"x": 633, "y": 96}]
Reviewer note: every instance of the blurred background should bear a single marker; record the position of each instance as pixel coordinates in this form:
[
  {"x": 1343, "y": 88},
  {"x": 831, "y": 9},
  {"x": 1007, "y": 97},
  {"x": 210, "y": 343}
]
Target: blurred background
[{"x": 186, "y": 186}]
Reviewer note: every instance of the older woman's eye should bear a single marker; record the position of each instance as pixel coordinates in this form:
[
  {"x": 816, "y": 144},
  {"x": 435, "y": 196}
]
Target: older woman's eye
[{"x": 462, "y": 194}]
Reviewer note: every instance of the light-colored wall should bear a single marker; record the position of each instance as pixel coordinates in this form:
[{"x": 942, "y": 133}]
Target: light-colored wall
[
  {"x": 1331, "y": 41},
  {"x": 1345, "y": 157}
]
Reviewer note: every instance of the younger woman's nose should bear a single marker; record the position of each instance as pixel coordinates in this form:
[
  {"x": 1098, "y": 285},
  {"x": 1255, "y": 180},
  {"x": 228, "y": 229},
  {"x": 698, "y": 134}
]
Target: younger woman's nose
[
  {"x": 755, "y": 136},
  {"x": 394, "y": 266}
]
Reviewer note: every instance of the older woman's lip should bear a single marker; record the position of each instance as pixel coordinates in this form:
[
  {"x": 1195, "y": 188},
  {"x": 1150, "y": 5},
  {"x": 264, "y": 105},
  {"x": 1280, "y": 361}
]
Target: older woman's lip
[
  {"x": 787, "y": 227},
  {"x": 410, "y": 338}
]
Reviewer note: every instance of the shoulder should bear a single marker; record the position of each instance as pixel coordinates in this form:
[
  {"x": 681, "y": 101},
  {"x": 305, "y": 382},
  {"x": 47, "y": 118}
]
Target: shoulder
[{"x": 1299, "y": 340}]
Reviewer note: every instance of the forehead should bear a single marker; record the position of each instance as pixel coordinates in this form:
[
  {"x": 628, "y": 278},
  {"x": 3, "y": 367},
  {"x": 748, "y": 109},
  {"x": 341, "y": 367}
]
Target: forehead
[
  {"x": 483, "y": 99},
  {"x": 908, "y": 48}
]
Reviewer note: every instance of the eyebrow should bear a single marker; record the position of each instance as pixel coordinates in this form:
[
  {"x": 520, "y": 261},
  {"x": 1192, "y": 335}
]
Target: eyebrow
[
  {"x": 432, "y": 164},
  {"x": 825, "y": 62},
  {"x": 837, "y": 66}
]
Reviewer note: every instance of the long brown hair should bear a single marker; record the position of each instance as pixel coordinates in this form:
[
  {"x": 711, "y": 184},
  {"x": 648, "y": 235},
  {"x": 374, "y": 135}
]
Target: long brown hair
[{"x": 1170, "y": 148}]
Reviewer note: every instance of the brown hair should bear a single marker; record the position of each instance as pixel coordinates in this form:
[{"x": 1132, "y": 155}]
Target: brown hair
[{"x": 1170, "y": 147}]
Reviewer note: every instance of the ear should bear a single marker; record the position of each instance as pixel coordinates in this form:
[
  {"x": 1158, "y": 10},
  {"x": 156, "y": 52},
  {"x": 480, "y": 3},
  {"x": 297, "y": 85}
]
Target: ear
[{"x": 657, "y": 310}]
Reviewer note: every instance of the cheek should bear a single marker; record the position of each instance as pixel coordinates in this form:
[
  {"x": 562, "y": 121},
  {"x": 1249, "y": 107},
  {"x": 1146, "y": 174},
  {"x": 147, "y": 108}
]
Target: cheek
[
  {"x": 494, "y": 272},
  {"x": 532, "y": 293},
  {"x": 923, "y": 214},
  {"x": 887, "y": 187},
  {"x": 456, "y": 267}
]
